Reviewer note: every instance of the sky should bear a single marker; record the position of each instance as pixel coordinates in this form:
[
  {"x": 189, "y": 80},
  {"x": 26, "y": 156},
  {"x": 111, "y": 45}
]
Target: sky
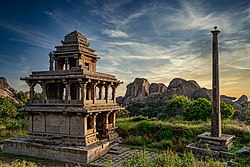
[{"x": 154, "y": 39}]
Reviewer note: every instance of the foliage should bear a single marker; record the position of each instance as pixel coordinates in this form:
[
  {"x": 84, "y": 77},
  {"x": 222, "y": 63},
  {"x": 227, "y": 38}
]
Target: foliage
[
  {"x": 22, "y": 97},
  {"x": 17, "y": 163},
  {"x": 166, "y": 134},
  {"x": 7, "y": 108},
  {"x": 227, "y": 110},
  {"x": 174, "y": 134},
  {"x": 182, "y": 107},
  {"x": 168, "y": 159},
  {"x": 200, "y": 110},
  {"x": 37, "y": 96},
  {"x": 145, "y": 126},
  {"x": 178, "y": 105}
]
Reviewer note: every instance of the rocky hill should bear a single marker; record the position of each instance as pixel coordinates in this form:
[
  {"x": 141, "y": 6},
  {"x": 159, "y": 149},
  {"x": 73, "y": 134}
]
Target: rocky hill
[
  {"x": 141, "y": 92},
  {"x": 6, "y": 90}
]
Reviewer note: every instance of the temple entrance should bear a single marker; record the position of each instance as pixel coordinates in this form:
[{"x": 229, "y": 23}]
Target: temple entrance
[{"x": 100, "y": 126}]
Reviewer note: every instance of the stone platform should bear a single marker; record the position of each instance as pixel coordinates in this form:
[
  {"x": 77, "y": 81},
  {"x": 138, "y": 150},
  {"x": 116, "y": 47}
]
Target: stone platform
[
  {"x": 223, "y": 143},
  {"x": 66, "y": 153},
  {"x": 214, "y": 147}
]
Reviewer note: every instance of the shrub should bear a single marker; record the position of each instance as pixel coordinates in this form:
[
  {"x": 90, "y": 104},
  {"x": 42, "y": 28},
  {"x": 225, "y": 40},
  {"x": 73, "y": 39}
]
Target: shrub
[
  {"x": 200, "y": 110},
  {"x": 145, "y": 126},
  {"x": 227, "y": 110},
  {"x": 7, "y": 108},
  {"x": 178, "y": 105},
  {"x": 166, "y": 134},
  {"x": 11, "y": 124},
  {"x": 137, "y": 140}
]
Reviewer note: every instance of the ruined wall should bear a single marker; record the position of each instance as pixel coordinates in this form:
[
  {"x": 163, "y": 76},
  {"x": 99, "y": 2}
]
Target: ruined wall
[{"x": 56, "y": 123}]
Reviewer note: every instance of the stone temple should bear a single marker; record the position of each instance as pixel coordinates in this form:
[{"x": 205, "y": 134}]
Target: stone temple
[{"x": 74, "y": 121}]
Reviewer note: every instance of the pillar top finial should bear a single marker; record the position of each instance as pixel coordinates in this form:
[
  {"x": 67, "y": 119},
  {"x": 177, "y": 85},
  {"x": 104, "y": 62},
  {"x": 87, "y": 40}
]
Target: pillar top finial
[{"x": 215, "y": 31}]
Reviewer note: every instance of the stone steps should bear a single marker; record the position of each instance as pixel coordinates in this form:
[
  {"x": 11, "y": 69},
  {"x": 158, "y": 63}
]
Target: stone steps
[{"x": 118, "y": 150}]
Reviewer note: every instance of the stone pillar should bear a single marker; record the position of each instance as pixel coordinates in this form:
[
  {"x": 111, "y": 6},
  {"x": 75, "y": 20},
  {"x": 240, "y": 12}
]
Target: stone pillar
[
  {"x": 83, "y": 90},
  {"x": 107, "y": 120},
  {"x": 32, "y": 86},
  {"x": 85, "y": 125},
  {"x": 66, "y": 63},
  {"x": 114, "y": 93},
  {"x": 44, "y": 92},
  {"x": 100, "y": 92},
  {"x": 94, "y": 93},
  {"x": 93, "y": 122},
  {"x": 107, "y": 93},
  {"x": 67, "y": 95},
  {"x": 51, "y": 61},
  {"x": 57, "y": 66},
  {"x": 77, "y": 60},
  {"x": 114, "y": 118},
  {"x": 216, "y": 115}
]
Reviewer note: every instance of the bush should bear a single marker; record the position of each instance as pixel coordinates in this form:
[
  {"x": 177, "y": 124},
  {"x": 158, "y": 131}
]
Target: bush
[
  {"x": 200, "y": 110},
  {"x": 227, "y": 110},
  {"x": 7, "y": 108},
  {"x": 166, "y": 134},
  {"x": 137, "y": 140},
  {"x": 177, "y": 105},
  {"x": 145, "y": 126},
  {"x": 11, "y": 124}
]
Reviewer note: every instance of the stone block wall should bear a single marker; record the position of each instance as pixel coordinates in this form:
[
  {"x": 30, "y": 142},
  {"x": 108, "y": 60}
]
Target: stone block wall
[{"x": 55, "y": 123}]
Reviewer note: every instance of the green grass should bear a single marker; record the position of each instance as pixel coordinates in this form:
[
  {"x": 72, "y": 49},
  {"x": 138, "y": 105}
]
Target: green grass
[{"x": 175, "y": 134}]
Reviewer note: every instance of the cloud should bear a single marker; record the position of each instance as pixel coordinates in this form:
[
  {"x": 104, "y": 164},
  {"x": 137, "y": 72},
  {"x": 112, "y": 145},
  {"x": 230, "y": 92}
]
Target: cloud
[
  {"x": 30, "y": 36},
  {"x": 116, "y": 33}
]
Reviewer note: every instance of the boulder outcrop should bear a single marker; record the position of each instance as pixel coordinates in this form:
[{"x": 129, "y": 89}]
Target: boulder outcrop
[
  {"x": 140, "y": 93},
  {"x": 180, "y": 86},
  {"x": 157, "y": 88},
  {"x": 5, "y": 90},
  {"x": 138, "y": 88}
]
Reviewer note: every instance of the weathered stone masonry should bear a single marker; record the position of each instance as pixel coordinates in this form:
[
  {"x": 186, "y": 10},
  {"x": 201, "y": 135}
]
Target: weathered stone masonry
[{"x": 78, "y": 105}]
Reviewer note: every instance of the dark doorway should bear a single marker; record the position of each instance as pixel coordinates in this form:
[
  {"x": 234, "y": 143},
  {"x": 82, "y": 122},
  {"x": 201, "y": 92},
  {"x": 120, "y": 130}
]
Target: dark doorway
[{"x": 100, "y": 126}]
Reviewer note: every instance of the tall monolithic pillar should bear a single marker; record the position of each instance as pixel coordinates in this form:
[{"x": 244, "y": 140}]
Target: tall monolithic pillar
[{"x": 216, "y": 115}]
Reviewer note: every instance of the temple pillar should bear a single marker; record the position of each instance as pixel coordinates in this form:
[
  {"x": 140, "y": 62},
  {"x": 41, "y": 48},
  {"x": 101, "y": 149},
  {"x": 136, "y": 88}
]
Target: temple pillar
[
  {"x": 114, "y": 117},
  {"x": 113, "y": 94},
  {"x": 94, "y": 93},
  {"x": 67, "y": 94},
  {"x": 51, "y": 61},
  {"x": 83, "y": 87},
  {"x": 107, "y": 120},
  {"x": 107, "y": 93},
  {"x": 32, "y": 91},
  {"x": 85, "y": 125},
  {"x": 93, "y": 122},
  {"x": 56, "y": 64},
  {"x": 100, "y": 92},
  {"x": 66, "y": 63},
  {"x": 44, "y": 92},
  {"x": 77, "y": 60}
]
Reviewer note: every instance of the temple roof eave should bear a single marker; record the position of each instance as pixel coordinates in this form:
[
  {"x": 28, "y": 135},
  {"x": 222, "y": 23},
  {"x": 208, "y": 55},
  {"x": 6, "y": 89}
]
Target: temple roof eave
[
  {"x": 68, "y": 108},
  {"x": 84, "y": 77}
]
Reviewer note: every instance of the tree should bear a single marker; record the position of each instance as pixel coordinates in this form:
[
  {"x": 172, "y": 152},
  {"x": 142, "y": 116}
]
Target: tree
[
  {"x": 22, "y": 97},
  {"x": 227, "y": 110},
  {"x": 200, "y": 110},
  {"x": 7, "y": 108},
  {"x": 178, "y": 105}
]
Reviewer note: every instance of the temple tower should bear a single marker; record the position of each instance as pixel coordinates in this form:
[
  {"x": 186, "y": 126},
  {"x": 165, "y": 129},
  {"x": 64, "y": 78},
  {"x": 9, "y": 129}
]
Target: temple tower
[{"x": 78, "y": 104}]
